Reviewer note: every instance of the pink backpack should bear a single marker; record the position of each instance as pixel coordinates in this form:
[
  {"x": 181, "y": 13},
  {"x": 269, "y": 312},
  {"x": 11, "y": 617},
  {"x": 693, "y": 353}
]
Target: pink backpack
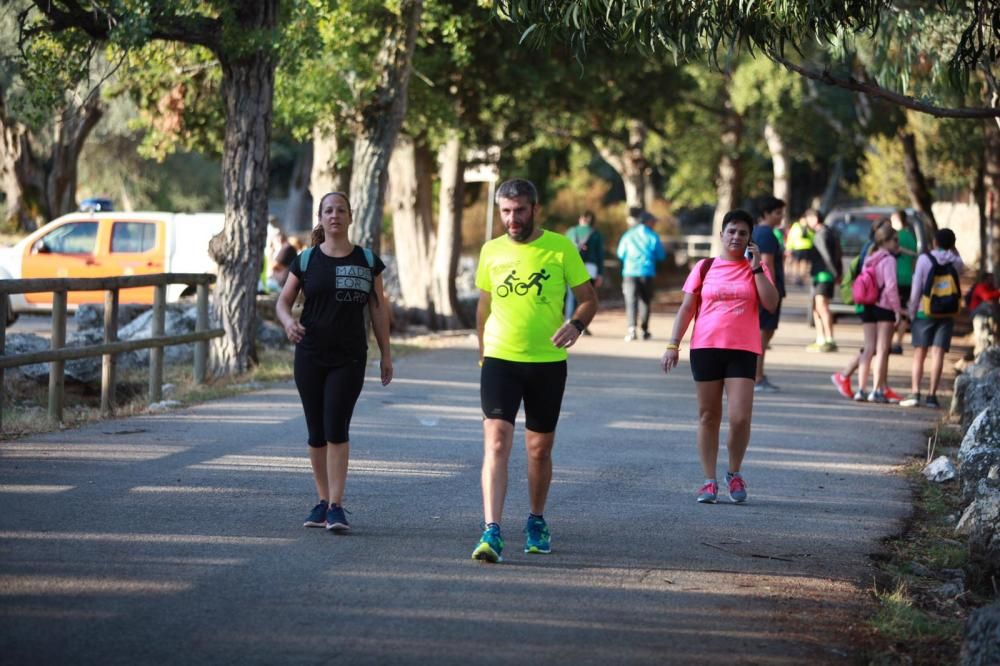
[{"x": 865, "y": 289}]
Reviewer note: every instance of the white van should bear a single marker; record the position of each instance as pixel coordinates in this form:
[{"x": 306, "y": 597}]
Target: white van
[{"x": 110, "y": 245}]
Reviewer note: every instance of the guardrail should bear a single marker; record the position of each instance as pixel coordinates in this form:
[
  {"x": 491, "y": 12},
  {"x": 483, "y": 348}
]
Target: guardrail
[
  {"x": 111, "y": 347},
  {"x": 686, "y": 248}
]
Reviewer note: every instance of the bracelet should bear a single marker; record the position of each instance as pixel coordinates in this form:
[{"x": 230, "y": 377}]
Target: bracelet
[
  {"x": 577, "y": 324},
  {"x": 672, "y": 347},
  {"x": 758, "y": 270}
]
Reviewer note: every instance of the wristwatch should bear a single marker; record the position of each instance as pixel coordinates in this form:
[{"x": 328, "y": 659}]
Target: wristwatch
[
  {"x": 577, "y": 324},
  {"x": 759, "y": 269}
]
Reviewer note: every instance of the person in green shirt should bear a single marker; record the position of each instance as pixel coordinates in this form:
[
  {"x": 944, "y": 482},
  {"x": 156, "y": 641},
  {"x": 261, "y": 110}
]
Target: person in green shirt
[
  {"x": 522, "y": 277},
  {"x": 905, "y": 260},
  {"x": 590, "y": 242}
]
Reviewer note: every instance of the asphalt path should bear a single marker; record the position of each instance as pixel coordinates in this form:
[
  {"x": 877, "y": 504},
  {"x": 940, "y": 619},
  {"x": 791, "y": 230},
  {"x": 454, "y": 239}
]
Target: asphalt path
[{"x": 177, "y": 537}]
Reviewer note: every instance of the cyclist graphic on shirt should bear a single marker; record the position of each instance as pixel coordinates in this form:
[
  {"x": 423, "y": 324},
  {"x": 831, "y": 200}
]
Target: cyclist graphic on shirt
[{"x": 511, "y": 284}]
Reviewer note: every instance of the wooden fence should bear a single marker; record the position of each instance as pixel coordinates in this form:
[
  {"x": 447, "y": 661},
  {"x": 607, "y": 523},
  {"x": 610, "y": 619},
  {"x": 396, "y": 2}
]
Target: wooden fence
[{"x": 111, "y": 347}]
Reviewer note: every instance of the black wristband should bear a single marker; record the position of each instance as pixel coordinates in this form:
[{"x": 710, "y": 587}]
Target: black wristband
[
  {"x": 758, "y": 270},
  {"x": 577, "y": 324}
]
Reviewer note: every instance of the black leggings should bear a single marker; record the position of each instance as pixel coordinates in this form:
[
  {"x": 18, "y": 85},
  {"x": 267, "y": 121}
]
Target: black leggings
[{"x": 328, "y": 397}]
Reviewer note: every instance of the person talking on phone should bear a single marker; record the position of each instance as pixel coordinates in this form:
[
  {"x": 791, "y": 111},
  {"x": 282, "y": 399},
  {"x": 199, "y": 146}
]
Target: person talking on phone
[{"x": 722, "y": 294}]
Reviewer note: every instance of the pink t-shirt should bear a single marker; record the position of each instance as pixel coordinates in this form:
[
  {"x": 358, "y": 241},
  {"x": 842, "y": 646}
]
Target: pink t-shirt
[{"x": 729, "y": 306}]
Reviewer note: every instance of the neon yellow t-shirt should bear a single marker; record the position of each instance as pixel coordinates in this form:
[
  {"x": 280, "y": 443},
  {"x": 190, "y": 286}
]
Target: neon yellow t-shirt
[{"x": 527, "y": 284}]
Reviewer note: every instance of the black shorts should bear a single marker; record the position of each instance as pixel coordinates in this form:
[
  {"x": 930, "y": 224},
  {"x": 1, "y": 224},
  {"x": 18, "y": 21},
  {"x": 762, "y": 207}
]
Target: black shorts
[
  {"x": 823, "y": 289},
  {"x": 329, "y": 394},
  {"x": 710, "y": 364},
  {"x": 873, "y": 313},
  {"x": 801, "y": 255},
  {"x": 504, "y": 384},
  {"x": 769, "y": 320},
  {"x": 904, "y": 296}
]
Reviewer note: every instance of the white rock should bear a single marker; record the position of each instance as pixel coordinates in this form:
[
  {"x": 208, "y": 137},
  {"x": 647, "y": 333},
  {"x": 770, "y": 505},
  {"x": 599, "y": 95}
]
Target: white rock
[{"x": 940, "y": 469}]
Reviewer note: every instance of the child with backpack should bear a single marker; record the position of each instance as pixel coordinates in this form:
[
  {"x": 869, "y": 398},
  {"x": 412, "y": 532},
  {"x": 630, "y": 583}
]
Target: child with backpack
[
  {"x": 935, "y": 300},
  {"x": 876, "y": 290}
]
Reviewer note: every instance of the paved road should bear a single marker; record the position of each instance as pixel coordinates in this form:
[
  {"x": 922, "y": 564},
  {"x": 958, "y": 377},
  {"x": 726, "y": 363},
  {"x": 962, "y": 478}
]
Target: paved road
[{"x": 177, "y": 537}]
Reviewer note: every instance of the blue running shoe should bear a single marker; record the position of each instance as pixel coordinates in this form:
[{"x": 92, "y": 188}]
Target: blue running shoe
[
  {"x": 737, "y": 487},
  {"x": 490, "y": 545},
  {"x": 317, "y": 517},
  {"x": 709, "y": 493},
  {"x": 536, "y": 536},
  {"x": 336, "y": 520}
]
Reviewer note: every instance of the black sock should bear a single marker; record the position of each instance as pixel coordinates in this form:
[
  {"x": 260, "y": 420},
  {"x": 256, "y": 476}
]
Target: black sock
[{"x": 535, "y": 515}]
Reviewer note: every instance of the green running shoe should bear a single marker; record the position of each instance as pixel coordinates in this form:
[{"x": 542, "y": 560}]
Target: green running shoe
[
  {"x": 536, "y": 536},
  {"x": 490, "y": 545}
]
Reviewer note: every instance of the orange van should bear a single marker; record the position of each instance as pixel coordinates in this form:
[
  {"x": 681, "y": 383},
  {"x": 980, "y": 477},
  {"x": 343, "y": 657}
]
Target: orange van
[{"x": 109, "y": 245}]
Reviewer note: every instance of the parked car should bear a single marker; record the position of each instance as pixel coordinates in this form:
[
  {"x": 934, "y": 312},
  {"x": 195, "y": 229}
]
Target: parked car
[
  {"x": 854, "y": 224},
  {"x": 110, "y": 244}
]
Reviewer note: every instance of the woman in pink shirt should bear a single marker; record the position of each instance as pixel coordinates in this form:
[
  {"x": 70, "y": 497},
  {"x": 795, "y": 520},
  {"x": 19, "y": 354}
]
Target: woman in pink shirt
[
  {"x": 878, "y": 321},
  {"x": 724, "y": 294}
]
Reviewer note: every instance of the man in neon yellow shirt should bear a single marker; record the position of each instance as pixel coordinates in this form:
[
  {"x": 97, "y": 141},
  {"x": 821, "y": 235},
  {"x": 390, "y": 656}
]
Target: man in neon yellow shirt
[{"x": 523, "y": 277}]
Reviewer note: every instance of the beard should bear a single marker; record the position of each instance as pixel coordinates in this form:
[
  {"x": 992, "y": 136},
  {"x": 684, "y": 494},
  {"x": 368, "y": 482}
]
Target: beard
[{"x": 526, "y": 229}]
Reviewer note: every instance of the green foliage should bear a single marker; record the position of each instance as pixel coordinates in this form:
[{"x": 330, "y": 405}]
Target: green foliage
[
  {"x": 882, "y": 179},
  {"x": 915, "y": 42},
  {"x": 176, "y": 90}
]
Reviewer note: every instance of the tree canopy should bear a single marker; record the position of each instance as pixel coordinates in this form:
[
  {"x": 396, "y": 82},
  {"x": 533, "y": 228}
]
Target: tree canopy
[{"x": 961, "y": 37}]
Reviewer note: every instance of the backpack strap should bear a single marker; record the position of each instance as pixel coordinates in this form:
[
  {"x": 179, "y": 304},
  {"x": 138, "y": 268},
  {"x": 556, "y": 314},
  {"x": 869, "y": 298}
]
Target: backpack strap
[
  {"x": 370, "y": 258},
  {"x": 304, "y": 258},
  {"x": 929, "y": 282},
  {"x": 706, "y": 266}
]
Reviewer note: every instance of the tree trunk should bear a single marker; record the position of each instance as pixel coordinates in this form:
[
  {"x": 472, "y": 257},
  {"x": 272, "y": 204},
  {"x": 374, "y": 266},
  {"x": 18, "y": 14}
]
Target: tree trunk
[
  {"x": 448, "y": 244},
  {"x": 382, "y": 117},
  {"x": 39, "y": 187},
  {"x": 631, "y": 164},
  {"x": 916, "y": 184},
  {"x": 729, "y": 182},
  {"x": 779, "y": 165},
  {"x": 247, "y": 91},
  {"x": 326, "y": 175},
  {"x": 991, "y": 183},
  {"x": 298, "y": 212},
  {"x": 411, "y": 198}
]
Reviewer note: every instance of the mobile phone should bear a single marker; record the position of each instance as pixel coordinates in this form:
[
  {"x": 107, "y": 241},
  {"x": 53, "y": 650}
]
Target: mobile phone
[{"x": 748, "y": 254}]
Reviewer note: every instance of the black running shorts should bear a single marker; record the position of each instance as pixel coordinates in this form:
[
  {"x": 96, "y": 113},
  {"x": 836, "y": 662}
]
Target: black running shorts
[
  {"x": 710, "y": 365},
  {"x": 504, "y": 384},
  {"x": 328, "y": 395}
]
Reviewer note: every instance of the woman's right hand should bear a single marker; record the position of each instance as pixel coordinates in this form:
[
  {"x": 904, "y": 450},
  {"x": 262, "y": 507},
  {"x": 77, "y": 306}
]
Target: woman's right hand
[
  {"x": 295, "y": 331},
  {"x": 669, "y": 360}
]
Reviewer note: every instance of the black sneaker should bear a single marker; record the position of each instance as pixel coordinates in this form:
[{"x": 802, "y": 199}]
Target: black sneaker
[
  {"x": 336, "y": 520},
  {"x": 932, "y": 402},
  {"x": 317, "y": 517}
]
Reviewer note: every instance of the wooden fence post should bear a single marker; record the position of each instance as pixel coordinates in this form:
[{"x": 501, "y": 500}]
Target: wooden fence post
[
  {"x": 156, "y": 353},
  {"x": 57, "y": 379},
  {"x": 109, "y": 361},
  {"x": 201, "y": 347}
]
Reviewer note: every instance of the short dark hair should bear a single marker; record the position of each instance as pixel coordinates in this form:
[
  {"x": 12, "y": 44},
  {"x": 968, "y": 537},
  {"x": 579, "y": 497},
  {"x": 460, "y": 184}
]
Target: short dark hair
[
  {"x": 738, "y": 215},
  {"x": 517, "y": 187},
  {"x": 589, "y": 216},
  {"x": 768, "y": 204},
  {"x": 945, "y": 239}
]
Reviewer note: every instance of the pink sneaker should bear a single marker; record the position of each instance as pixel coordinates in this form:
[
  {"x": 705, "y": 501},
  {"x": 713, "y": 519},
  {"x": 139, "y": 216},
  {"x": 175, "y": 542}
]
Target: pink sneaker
[
  {"x": 709, "y": 493},
  {"x": 843, "y": 385}
]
